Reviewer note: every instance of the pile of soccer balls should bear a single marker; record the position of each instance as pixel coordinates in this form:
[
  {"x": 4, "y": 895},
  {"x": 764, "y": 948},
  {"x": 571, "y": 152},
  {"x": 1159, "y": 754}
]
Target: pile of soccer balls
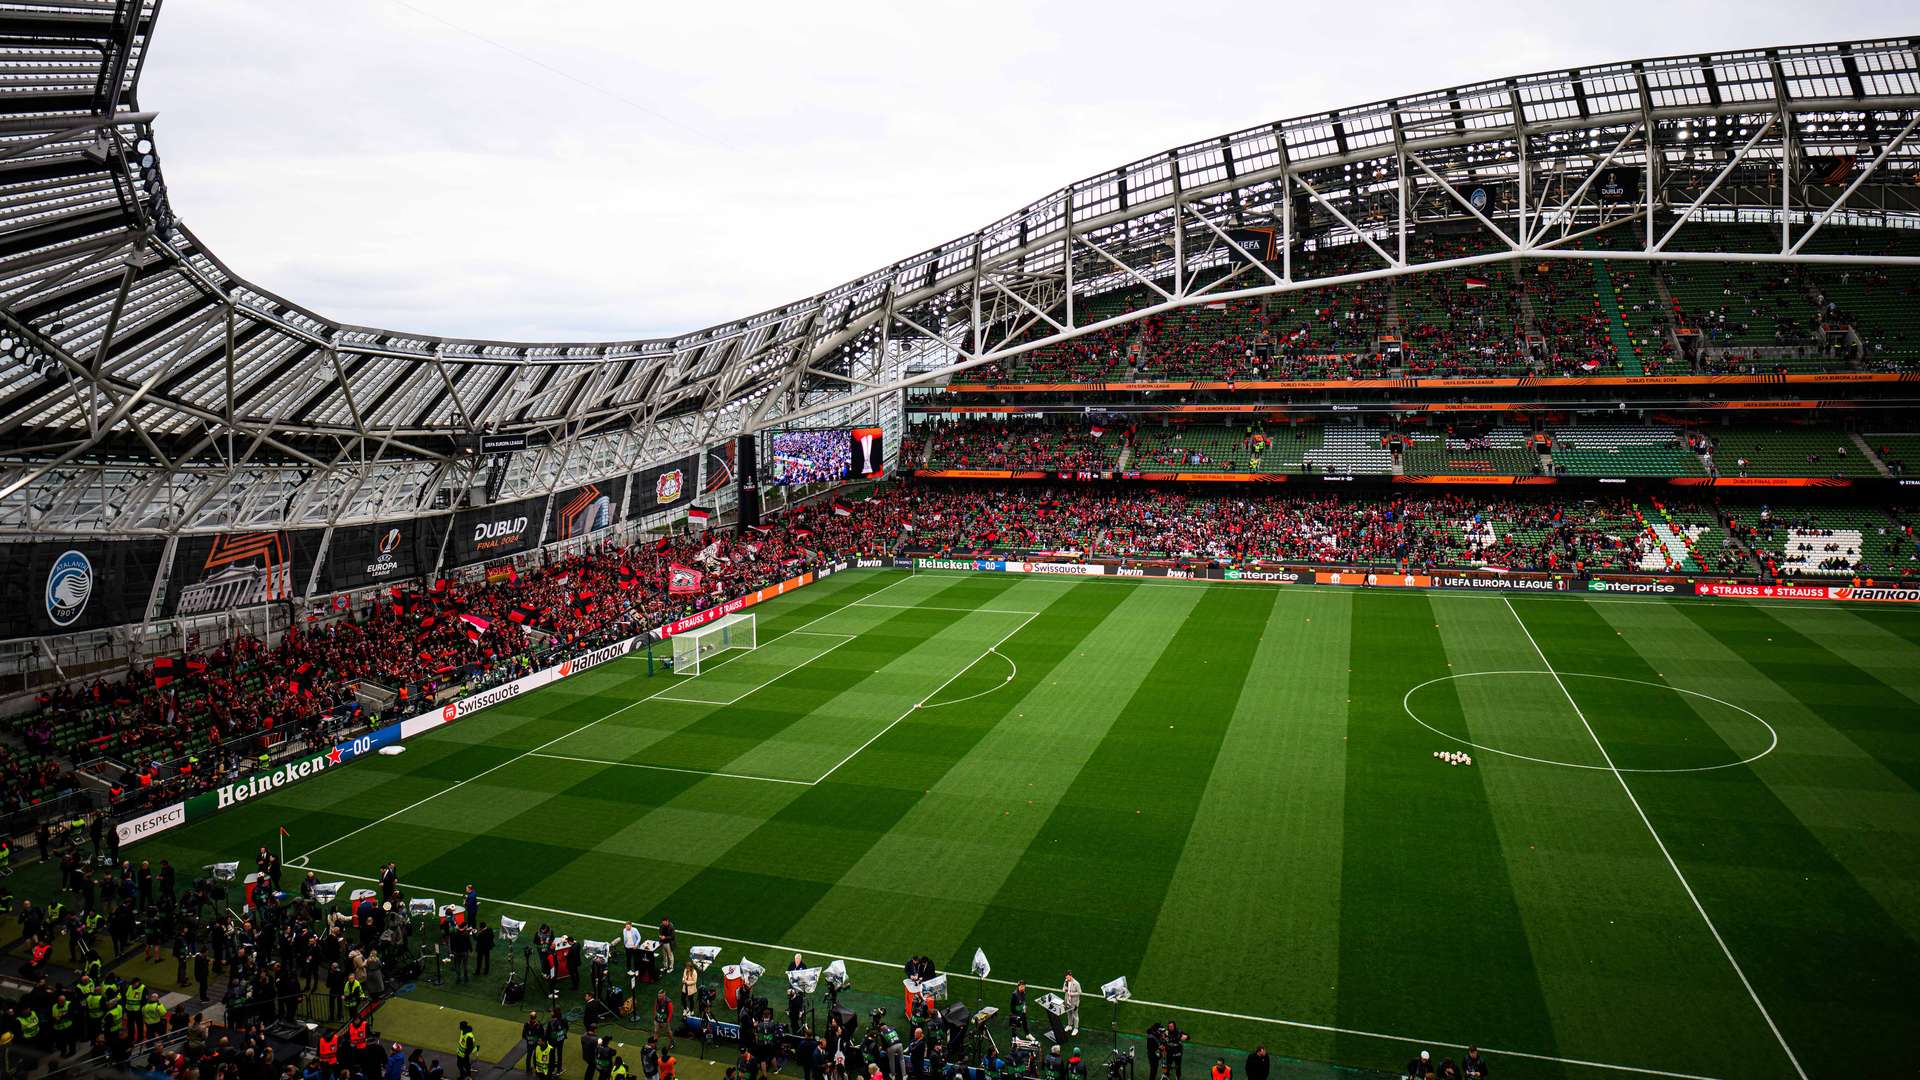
[{"x": 1454, "y": 757}]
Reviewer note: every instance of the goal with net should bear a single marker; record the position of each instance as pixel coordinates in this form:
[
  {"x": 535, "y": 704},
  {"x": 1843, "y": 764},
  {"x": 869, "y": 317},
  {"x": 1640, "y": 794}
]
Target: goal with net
[{"x": 692, "y": 648}]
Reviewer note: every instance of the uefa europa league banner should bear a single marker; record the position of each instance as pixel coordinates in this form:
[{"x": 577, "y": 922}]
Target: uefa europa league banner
[
  {"x": 55, "y": 587},
  {"x": 359, "y": 556}
]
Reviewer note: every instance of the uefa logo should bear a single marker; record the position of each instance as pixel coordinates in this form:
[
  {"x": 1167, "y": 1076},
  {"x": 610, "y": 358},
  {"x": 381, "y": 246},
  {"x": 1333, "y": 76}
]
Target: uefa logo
[{"x": 69, "y": 586}]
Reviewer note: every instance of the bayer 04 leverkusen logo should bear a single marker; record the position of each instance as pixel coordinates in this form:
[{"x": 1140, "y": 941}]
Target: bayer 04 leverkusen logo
[
  {"x": 69, "y": 587},
  {"x": 668, "y": 488}
]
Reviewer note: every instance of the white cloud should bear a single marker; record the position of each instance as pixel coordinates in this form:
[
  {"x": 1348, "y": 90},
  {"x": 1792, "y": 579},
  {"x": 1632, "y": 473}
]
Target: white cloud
[{"x": 594, "y": 169}]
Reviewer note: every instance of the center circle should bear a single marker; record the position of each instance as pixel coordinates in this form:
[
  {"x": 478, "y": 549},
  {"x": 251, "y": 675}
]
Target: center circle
[{"x": 1406, "y": 703}]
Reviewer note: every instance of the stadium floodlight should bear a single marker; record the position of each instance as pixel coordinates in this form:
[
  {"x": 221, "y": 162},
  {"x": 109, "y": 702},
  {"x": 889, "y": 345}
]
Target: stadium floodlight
[
  {"x": 736, "y": 631},
  {"x": 6, "y": 344},
  {"x": 981, "y": 969},
  {"x": 703, "y": 956},
  {"x": 1116, "y": 991},
  {"x": 805, "y": 980},
  {"x": 836, "y": 975},
  {"x": 510, "y": 928},
  {"x": 750, "y": 972}
]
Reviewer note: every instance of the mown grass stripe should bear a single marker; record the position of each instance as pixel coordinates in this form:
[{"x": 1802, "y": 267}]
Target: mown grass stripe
[
  {"x": 589, "y": 806},
  {"x": 1426, "y": 898},
  {"x": 766, "y": 883},
  {"x": 1282, "y": 763},
  {"x": 1599, "y": 904},
  {"x": 991, "y": 771},
  {"x": 1829, "y": 963},
  {"x": 1091, "y": 906}
]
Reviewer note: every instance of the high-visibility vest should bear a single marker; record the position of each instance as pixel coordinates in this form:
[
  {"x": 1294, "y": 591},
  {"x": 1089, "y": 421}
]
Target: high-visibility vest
[
  {"x": 133, "y": 994},
  {"x": 96, "y": 1005},
  {"x": 621, "y": 1072},
  {"x": 115, "y": 1014},
  {"x": 330, "y": 1049},
  {"x": 62, "y": 1015},
  {"x": 355, "y": 992},
  {"x": 468, "y": 1044},
  {"x": 357, "y": 1034},
  {"x": 153, "y": 1012},
  {"x": 29, "y": 1025},
  {"x": 542, "y": 1059}
]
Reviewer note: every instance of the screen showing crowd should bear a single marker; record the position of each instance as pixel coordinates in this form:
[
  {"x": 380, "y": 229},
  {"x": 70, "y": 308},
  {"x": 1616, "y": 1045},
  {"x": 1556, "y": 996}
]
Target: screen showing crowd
[{"x": 813, "y": 456}]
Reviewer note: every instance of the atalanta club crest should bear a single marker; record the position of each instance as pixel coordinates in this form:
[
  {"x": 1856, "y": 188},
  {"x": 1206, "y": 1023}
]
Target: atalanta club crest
[
  {"x": 69, "y": 587},
  {"x": 668, "y": 488}
]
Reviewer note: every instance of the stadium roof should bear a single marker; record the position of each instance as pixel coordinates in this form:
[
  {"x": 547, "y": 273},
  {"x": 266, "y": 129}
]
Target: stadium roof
[{"x": 142, "y": 369}]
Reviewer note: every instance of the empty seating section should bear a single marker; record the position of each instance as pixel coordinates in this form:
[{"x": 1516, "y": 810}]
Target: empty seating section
[
  {"x": 1500, "y": 452},
  {"x": 1217, "y": 448},
  {"x": 1555, "y": 316},
  {"x": 1020, "y": 443},
  {"x": 1623, "y": 451},
  {"x": 1350, "y": 450},
  {"x": 1881, "y": 303},
  {"x": 1641, "y": 318},
  {"x": 1789, "y": 451},
  {"x": 1824, "y": 541},
  {"x": 1899, "y": 453},
  {"x": 1712, "y": 547}
]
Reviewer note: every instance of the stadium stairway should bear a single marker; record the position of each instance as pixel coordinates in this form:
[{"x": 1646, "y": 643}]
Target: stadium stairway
[
  {"x": 1866, "y": 451},
  {"x": 1617, "y": 330}
]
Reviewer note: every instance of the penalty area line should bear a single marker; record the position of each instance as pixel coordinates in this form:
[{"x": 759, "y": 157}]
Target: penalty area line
[
  {"x": 307, "y": 855},
  {"x": 888, "y": 965},
  {"x": 994, "y": 648},
  {"x": 675, "y": 769}
]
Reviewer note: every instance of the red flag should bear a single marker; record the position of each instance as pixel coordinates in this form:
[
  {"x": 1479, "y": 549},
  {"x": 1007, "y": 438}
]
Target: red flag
[{"x": 682, "y": 580}]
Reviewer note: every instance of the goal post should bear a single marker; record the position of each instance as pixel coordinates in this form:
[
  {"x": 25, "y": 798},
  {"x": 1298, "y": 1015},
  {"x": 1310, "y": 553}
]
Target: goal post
[{"x": 691, "y": 649}]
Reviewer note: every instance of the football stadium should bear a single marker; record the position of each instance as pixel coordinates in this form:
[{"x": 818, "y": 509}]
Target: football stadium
[{"x": 1422, "y": 588}]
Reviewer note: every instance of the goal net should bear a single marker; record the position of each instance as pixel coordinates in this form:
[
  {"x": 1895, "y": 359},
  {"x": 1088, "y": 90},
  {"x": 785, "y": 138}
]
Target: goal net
[{"x": 692, "y": 648}]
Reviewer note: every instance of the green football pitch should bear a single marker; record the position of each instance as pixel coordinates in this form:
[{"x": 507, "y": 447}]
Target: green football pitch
[{"x": 1688, "y": 843}]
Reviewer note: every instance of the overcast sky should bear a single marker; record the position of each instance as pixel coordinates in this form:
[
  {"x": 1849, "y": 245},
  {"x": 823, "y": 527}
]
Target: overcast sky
[{"x": 609, "y": 169}]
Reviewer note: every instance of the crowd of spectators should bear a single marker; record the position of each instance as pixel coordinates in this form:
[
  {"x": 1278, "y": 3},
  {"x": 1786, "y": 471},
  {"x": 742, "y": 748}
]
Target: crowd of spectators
[
  {"x": 1017, "y": 442},
  {"x": 183, "y": 724},
  {"x": 187, "y": 723}
]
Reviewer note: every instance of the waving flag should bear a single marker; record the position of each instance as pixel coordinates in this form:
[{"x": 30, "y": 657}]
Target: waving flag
[
  {"x": 682, "y": 580},
  {"x": 841, "y": 509}
]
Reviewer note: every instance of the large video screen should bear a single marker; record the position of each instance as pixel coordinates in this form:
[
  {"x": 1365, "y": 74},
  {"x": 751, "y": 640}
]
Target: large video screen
[{"x": 812, "y": 456}]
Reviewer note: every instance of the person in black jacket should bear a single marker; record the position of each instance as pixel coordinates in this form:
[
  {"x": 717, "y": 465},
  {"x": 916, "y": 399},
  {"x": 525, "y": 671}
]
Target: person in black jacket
[
  {"x": 1017, "y": 1010},
  {"x": 483, "y": 950},
  {"x": 1258, "y": 1064}
]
